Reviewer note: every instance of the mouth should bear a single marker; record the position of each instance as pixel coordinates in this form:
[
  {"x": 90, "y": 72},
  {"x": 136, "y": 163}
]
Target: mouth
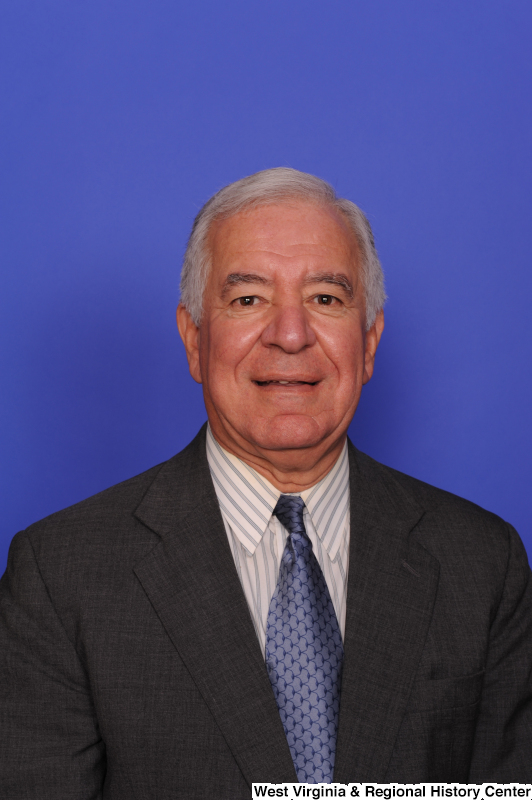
[{"x": 285, "y": 383}]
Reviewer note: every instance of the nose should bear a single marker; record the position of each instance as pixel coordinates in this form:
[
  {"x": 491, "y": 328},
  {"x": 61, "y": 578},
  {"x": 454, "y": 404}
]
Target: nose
[{"x": 289, "y": 329}]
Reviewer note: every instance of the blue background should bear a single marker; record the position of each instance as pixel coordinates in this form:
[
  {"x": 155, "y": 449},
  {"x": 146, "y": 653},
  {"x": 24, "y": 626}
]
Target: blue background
[{"x": 119, "y": 119}]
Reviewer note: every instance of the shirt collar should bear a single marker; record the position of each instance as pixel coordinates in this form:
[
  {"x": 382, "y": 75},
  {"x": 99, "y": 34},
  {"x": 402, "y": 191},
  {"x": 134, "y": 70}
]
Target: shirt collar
[{"x": 247, "y": 499}]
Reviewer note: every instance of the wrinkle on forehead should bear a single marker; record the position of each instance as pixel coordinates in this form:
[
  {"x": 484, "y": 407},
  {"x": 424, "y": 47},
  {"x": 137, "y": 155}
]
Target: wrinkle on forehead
[{"x": 308, "y": 230}]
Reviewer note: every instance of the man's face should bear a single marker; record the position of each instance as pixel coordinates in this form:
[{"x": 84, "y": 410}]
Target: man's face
[{"x": 282, "y": 351}]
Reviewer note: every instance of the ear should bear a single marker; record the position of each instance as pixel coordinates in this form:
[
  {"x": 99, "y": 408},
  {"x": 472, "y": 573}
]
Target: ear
[
  {"x": 190, "y": 334},
  {"x": 373, "y": 337}
]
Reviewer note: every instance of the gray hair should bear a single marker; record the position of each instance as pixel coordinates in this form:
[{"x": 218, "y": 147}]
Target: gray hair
[{"x": 269, "y": 187}]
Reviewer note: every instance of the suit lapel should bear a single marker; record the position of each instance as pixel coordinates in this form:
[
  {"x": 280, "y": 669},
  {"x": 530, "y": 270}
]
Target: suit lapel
[
  {"x": 191, "y": 581},
  {"x": 391, "y": 591}
]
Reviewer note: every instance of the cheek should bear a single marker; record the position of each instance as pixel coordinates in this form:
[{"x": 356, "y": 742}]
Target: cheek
[
  {"x": 345, "y": 349},
  {"x": 226, "y": 346}
]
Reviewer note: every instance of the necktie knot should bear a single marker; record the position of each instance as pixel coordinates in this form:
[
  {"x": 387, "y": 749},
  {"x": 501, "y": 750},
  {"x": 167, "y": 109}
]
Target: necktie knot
[{"x": 289, "y": 512}]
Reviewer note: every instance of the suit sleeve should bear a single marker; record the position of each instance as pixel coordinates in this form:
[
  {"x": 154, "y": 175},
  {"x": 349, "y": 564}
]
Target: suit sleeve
[
  {"x": 503, "y": 738},
  {"x": 49, "y": 740}
]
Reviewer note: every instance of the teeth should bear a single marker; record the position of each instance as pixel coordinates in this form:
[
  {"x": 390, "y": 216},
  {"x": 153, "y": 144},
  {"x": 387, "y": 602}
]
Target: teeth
[{"x": 283, "y": 382}]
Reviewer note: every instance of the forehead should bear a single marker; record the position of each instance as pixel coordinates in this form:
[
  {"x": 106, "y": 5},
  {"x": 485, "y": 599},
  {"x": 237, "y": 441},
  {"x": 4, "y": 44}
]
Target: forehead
[{"x": 299, "y": 233}]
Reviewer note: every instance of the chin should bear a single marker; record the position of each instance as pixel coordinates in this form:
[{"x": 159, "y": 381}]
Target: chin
[{"x": 288, "y": 432}]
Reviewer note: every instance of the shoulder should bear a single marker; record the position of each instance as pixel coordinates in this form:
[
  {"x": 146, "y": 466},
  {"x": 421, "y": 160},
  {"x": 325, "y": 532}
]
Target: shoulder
[
  {"x": 453, "y": 529},
  {"x": 430, "y": 498},
  {"x": 106, "y": 524}
]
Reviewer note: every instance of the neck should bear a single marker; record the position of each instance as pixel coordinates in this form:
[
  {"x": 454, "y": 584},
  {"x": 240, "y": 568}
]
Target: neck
[{"x": 290, "y": 471}]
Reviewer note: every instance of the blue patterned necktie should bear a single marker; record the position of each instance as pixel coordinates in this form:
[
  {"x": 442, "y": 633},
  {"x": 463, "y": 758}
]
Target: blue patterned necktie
[{"x": 304, "y": 651}]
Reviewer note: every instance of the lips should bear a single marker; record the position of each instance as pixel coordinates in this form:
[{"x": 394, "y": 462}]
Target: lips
[{"x": 285, "y": 383}]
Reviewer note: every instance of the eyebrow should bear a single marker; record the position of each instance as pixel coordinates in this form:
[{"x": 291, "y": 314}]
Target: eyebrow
[
  {"x": 334, "y": 278},
  {"x": 238, "y": 278}
]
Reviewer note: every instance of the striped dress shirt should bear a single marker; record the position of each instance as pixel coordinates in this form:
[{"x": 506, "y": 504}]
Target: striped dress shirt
[{"x": 257, "y": 539}]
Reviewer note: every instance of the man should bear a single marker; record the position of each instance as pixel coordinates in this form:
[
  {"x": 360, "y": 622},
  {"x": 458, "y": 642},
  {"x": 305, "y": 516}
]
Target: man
[{"x": 270, "y": 604}]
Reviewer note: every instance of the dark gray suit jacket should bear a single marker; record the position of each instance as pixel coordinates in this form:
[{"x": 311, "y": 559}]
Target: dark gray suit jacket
[{"x": 130, "y": 668}]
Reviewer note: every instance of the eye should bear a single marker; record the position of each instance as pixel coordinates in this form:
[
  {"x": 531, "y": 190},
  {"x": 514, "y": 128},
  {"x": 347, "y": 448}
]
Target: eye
[
  {"x": 326, "y": 299},
  {"x": 248, "y": 300}
]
